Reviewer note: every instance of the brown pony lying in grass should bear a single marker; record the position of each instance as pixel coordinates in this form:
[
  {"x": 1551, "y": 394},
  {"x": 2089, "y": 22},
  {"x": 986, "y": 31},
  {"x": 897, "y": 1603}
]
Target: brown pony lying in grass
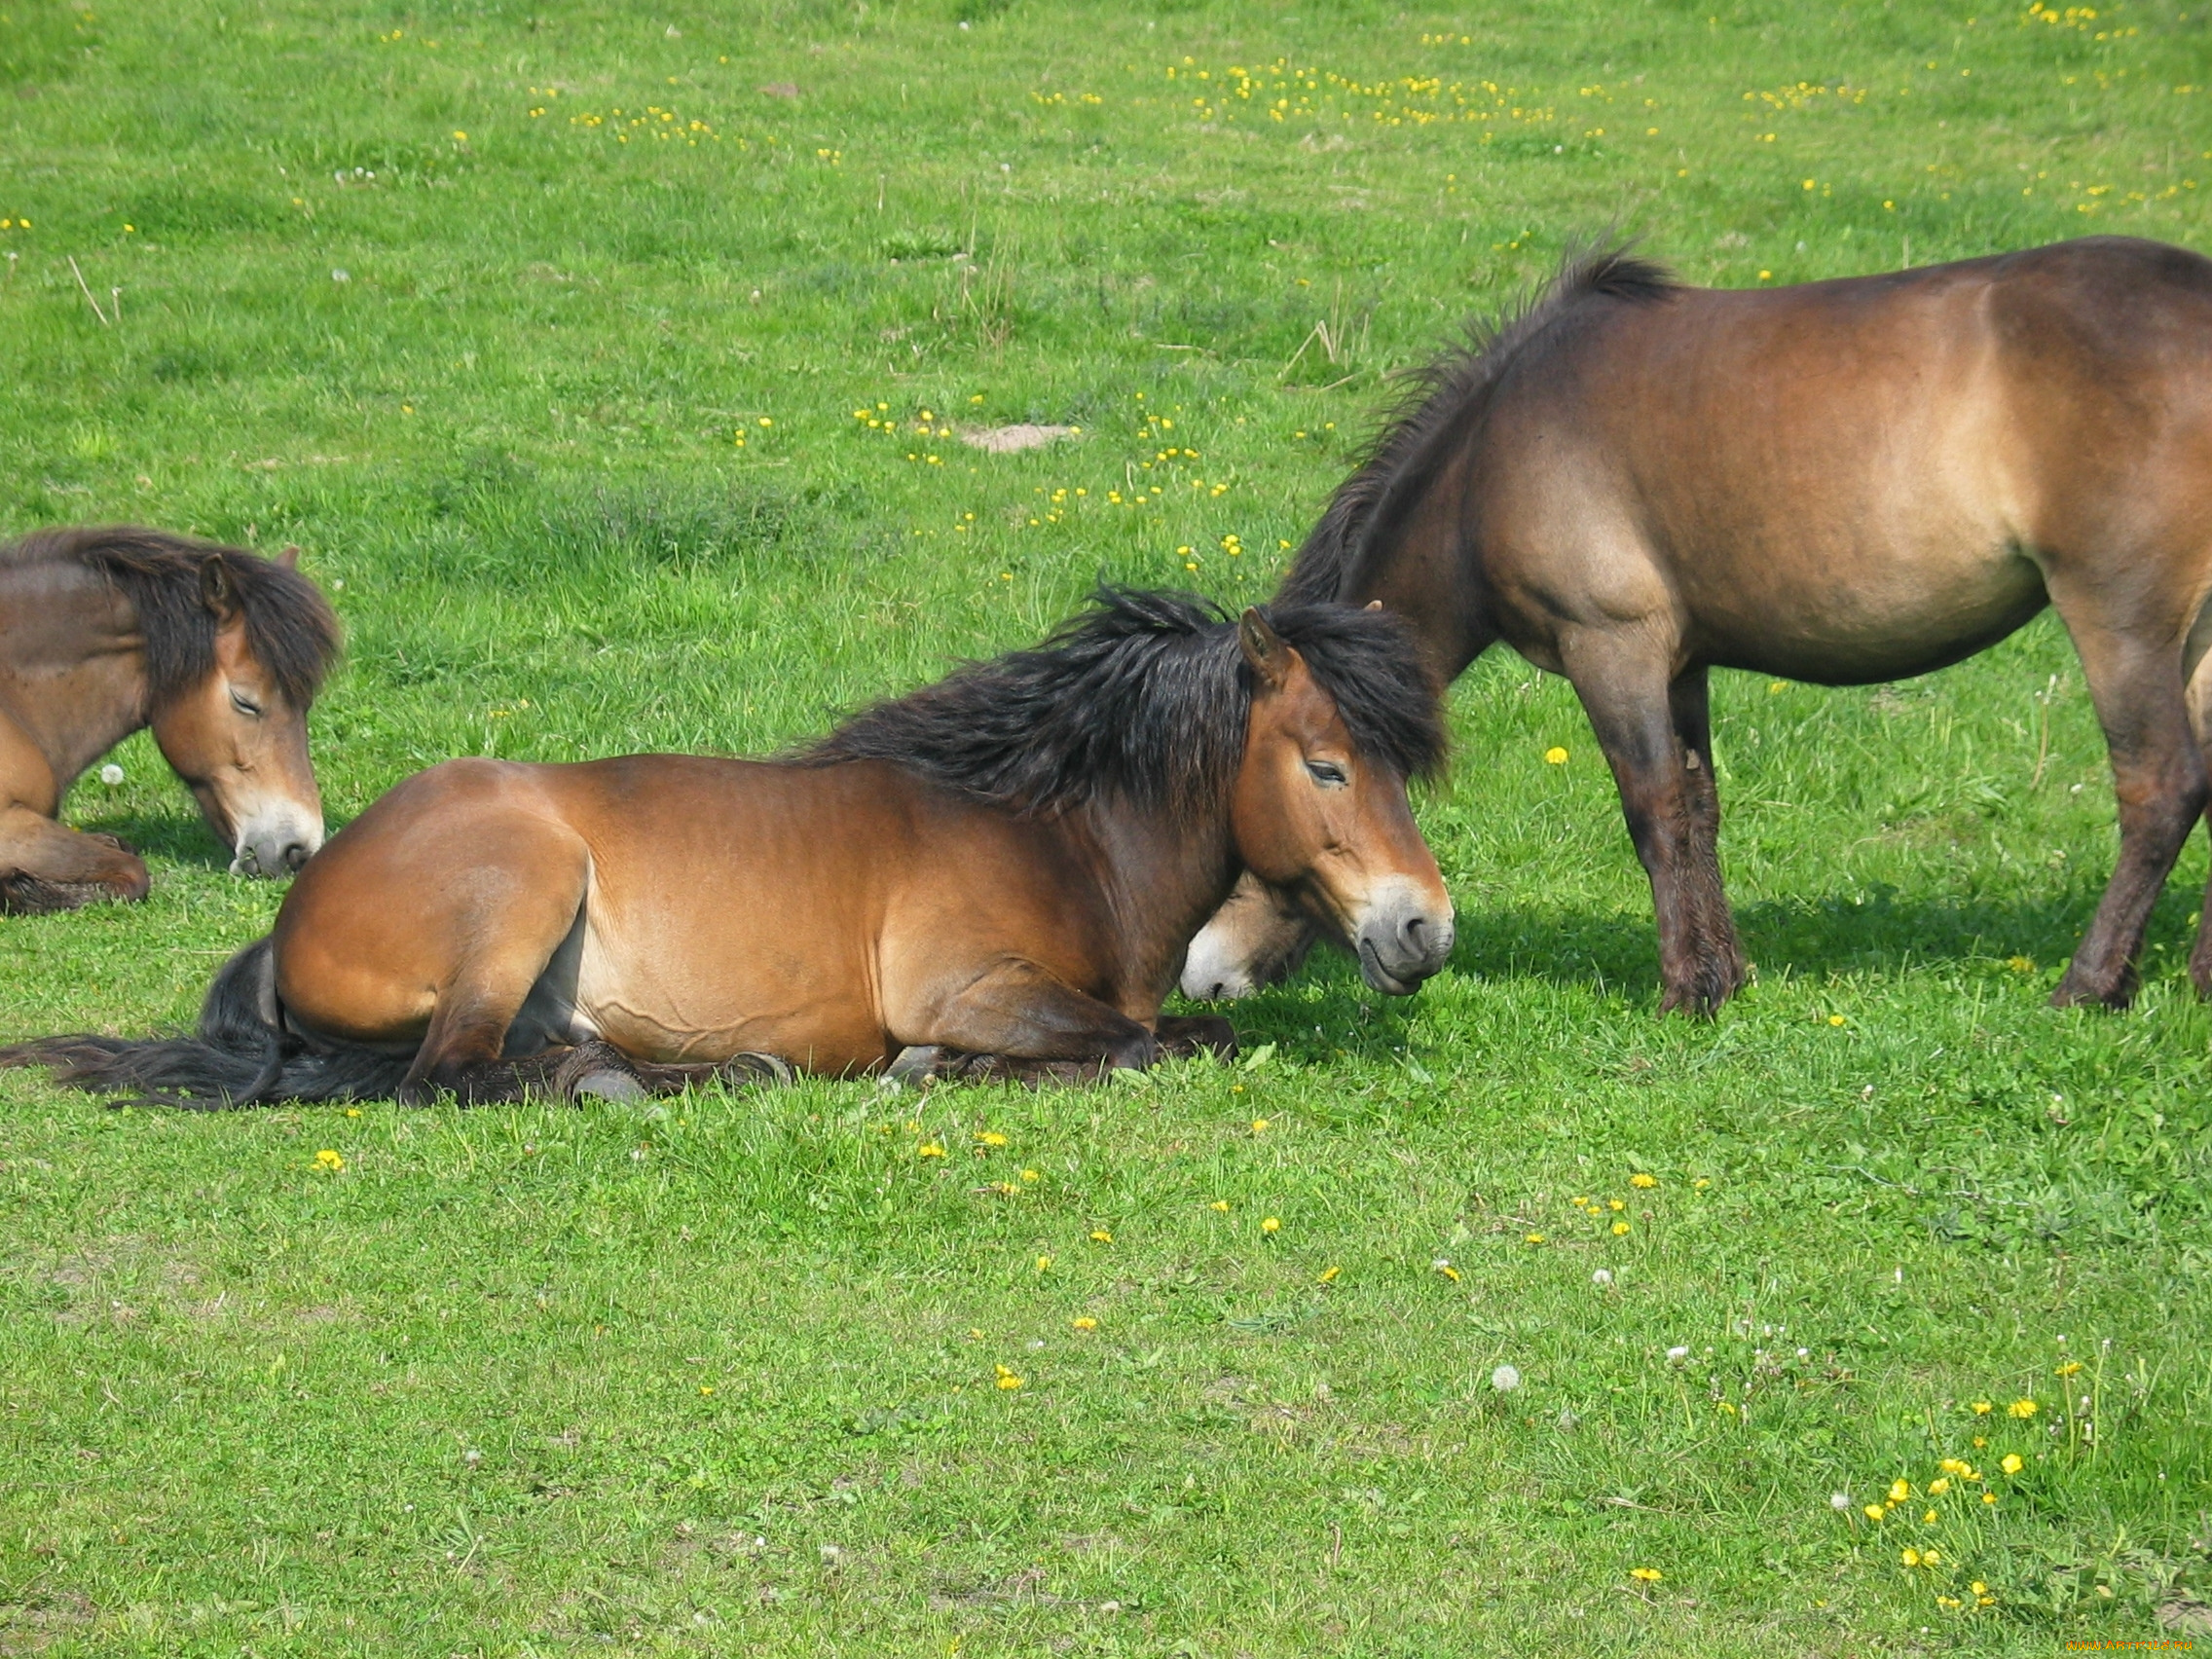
[
  {"x": 107, "y": 630},
  {"x": 996, "y": 874}
]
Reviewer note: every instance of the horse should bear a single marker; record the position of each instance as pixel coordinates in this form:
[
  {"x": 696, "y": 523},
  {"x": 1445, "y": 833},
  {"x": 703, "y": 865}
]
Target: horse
[
  {"x": 106, "y": 629},
  {"x": 1634, "y": 482},
  {"x": 994, "y": 875}
]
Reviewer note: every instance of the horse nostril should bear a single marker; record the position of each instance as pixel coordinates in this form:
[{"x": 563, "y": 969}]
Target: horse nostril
[{"x": 295, "y": 854}]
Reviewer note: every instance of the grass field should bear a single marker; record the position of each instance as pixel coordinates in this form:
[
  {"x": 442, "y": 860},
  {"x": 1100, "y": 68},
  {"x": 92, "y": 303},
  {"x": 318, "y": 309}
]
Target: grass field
[{"x": 610, "y": 363}]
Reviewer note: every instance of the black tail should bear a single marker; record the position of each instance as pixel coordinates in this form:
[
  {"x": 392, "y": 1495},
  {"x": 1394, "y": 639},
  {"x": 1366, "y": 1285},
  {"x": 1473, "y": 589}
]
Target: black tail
[{"x": 241, "y": 1057}]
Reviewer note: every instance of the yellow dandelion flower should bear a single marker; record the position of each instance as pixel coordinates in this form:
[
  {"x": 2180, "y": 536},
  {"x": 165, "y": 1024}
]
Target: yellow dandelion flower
[
  {"x": 991, "y": 1138},
  {"x": 1978, "y": 1588},
  {"x": 1639, "y": 1179},
  {"x": 1989, "y": 1497},
  {"x": 1220, "y": 1204},
  {"x": 1329, "y": 1275},
  {"x": 2011, "y": 1464},
  {"x": 1274, "y": 1223},
  {"x": 929, "y": 1148},
  {"x": 1099, "y": 1236},
  {"x": 1701, "y": 1182},
  {"x": 1645, "y": 1575},
  {"x": 1440, "y": 1265},
  {"x": 460, "y": 136},
  {"x": 1835, "y": 1020},
  {"x": 2068, "y": 1368},
  {"x": 1029, "y": 1175},
  {"x": 1928, "y": 1519},
  {"x": 353, "y": 1111},
  {"x": 1007, "y": 1380},
  {"x": 1260, "y": 1125},
  {"x": 1086, "y": 1323},
  {"x": 2020, "y": 964},
  {"x": 328, "y": 1159},
  {"x": 2021, "y": 1409},
  {"x": 1043, "y": 1263},
  {"x": 1620, "y": 1229},
  {"x": 1536, "y": 1238},
  {"x": 1555, "y": 755},
  {"x": 1616, "y": 1204}
]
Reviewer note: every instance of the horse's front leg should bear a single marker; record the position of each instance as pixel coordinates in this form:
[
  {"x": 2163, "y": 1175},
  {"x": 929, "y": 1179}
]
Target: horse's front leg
[
  {"x": 1653, "y": 730},
  {"x": 1018, "y": 1010},
  {"x": 45, "y": 865},
  {"x": 1689, "y": 704}
]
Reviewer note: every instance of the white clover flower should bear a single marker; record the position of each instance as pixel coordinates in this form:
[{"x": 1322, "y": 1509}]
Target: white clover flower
[
  {"x": 1603, "y": 1275},
  {"x": 111, "y": 774},
  {"x": 1676, "y": 1355}
]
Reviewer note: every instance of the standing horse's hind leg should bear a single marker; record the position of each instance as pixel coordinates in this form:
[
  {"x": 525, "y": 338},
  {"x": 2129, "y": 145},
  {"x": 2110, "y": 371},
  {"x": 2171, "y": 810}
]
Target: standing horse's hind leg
[
  {"x": 1651, "y": 729},
  {"x": 2159, "y": 784}
]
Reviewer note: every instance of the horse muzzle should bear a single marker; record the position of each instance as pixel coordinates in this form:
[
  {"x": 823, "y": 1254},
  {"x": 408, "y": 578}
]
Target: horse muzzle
[
  {"x": 1405, "y": 937},
  {"x": 276, "y": 846}
]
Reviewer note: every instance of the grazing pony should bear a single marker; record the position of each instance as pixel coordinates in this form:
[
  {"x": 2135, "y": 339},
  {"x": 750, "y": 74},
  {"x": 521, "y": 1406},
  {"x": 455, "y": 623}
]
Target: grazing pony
[
  {"x": 996, "y": 873},
  {"x": 1634, "y": 482},
  {"x": 103, "y": 631}
]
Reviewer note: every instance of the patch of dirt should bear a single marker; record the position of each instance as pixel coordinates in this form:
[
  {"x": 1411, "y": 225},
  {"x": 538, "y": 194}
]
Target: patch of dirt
[
  {"x": 780, "y": 89},
  {"x": 32, "y": 1627},
  {"x": 1012, "y": 440},
  {"x": 2185, "y": 1615}
]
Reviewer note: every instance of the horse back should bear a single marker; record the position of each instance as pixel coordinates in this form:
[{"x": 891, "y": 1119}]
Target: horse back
[{"x": 1848, "y": 480}]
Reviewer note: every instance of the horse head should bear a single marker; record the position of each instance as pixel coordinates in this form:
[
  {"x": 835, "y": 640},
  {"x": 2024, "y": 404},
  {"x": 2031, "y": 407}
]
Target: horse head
[
  {"x": 238, "y": 736},
  {"x": 1322, "y": 820}
]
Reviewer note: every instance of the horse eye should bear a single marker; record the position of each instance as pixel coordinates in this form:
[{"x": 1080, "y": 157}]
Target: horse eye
[
  {"x": 246, "y": 705},
  {"x": 1327, "y": 773}
]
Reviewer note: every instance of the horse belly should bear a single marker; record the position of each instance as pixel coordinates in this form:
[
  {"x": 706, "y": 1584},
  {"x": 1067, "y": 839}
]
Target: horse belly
[
  {"x": 1868, "y": 613},
  {"x": 690, "y": 976}
]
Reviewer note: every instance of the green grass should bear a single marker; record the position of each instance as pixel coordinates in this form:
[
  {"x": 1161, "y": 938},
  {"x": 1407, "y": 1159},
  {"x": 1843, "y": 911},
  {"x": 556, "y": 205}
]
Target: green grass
[{"x": 455, "y": 1397}]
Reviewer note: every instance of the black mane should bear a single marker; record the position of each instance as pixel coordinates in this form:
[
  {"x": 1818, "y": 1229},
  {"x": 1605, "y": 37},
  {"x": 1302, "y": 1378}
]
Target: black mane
[
  {"x": 1444, "y": 391},
  {"x": 290, "y": 625},
  {"x": 1145, "y": 697}
]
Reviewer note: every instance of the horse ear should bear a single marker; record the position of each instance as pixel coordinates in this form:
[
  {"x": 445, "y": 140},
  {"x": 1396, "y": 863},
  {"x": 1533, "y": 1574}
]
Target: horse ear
[
  {"x": 216, "y": 591},
  {"x": 1264, "y": 648},
  {"x": 290, "y": 560},
  {"x": 1372, "y": 605}
]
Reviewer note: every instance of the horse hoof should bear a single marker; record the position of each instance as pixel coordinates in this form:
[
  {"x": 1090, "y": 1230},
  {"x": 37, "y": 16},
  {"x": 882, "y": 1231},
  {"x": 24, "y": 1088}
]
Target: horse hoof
[
  {"x": 752, "y": 1066},
  {"x": 915, "y": 1065},
  {"x": 606, "y": 1086}
]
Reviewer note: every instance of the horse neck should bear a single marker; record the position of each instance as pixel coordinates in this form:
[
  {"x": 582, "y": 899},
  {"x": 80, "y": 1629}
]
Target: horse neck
[
  {"x": 1162, "y": 876},
  {"x": 72, "y": 665}
]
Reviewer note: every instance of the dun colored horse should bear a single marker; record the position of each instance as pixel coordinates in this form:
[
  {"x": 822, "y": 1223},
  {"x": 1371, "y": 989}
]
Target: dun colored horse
[
  {"x": 103, "y": 631},
  {"x": 1635, "y": 482},
  {"x": 997, "y": 873}
]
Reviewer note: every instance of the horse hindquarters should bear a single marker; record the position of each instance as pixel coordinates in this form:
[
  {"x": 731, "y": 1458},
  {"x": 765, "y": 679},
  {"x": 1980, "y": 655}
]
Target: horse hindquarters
[{"x": 432, "y": 920}]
